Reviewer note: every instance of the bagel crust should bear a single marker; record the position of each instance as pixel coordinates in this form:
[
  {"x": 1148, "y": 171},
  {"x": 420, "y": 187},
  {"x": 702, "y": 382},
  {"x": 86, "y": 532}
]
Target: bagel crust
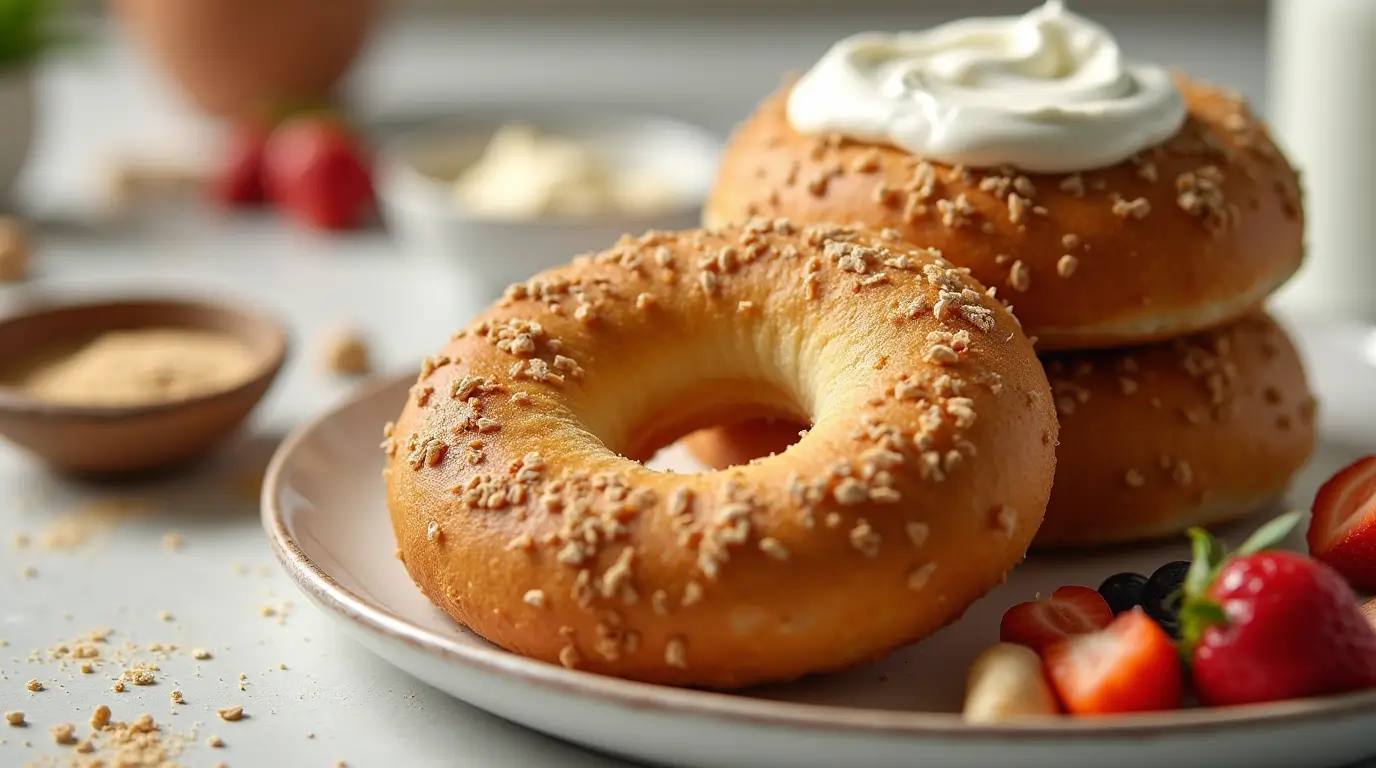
[
  {"x": 1195, "y": 431},
  {"x": 521, "y": 511},
  {"x": 1186, "y": 236}
]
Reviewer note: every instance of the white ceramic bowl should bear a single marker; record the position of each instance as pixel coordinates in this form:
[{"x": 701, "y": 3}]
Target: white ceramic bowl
[{"x": 480, "y": 256}]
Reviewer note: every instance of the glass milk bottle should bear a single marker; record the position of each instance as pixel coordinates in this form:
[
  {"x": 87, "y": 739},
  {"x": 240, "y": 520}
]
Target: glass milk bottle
[{"x": 1322, "y": 106}]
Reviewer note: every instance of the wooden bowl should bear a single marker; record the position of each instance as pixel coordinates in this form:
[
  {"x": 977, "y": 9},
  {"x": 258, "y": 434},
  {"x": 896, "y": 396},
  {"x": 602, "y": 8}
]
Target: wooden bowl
[
  {"x": 237, "y": 58},
  {"x": 107, "y": 440}
]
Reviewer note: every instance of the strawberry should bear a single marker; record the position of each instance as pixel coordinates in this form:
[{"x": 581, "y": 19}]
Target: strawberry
[
  {"x": 317, "y": 172},
  {"x": 1129, "y": 666},
  {"x": 1069, "y": 611},
  {"x": 1264, "y": 625},
  {"x": 1342, "y": 533},
  {"x": 238, "y": 182}
]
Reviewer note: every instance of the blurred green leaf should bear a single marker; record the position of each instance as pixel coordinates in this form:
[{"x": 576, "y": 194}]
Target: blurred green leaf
[{"x": 28, "y": 29}]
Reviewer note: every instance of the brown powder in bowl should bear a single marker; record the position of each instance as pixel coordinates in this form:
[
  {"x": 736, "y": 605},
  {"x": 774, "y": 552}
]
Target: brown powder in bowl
[{"x": 143, "y": 366}]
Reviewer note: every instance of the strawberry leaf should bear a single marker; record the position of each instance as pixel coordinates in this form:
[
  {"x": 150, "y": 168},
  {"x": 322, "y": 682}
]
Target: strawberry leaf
[
  {"x": 1271, "y": 535},
  {"x": 1208, "y": 557}
]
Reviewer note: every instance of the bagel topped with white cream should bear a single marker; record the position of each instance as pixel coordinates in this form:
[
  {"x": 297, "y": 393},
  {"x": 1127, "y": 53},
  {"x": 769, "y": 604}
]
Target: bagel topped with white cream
[{"x": 1108, "y": 201}]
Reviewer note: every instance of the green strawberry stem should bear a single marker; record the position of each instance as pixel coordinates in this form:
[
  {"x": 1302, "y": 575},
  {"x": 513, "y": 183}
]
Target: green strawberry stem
[
  {"x": 1271, "y": 535},
  {"x": 1197, "y": 611}
]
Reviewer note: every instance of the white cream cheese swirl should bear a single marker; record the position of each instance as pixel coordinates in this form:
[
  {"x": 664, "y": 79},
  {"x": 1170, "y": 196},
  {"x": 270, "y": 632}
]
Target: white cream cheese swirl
[{"x": 1045, "y": 92}]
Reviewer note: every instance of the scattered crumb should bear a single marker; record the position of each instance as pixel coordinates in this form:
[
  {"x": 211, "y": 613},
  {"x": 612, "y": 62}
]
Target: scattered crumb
[
  {"x": 142, "y": 743},
  {"x": 101, "y": 717},
  {"x": 200, "y": 654},
  {"x": 73, "y": 531},
  {"x": 172, "y": 541},
  {"x": 164, "y": 616},
  {"x": 118, "y": 687},
  {"x": 140, "y": 674},
  {"x": 230, "y": 714},
  {"x": 278, "y": 611},
  {"x": 177, "y": 698},
  {"x": 29, "y": 572},
  {"x": 214, "y": 742},
  {"x": 34, "y": 686},
  {"x": 346, "y": 352},
  {"x": 14, "y": 718},
  {"x": 64, "y": 733}
]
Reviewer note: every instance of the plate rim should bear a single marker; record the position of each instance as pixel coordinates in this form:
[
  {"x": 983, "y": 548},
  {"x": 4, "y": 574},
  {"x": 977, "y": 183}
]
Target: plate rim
[{"x": 328, "y": 593}]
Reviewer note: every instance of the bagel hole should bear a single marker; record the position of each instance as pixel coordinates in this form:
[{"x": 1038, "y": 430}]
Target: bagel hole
[
  {"x": 738, "y": 443},
  {"x": 747, "y": 422}
]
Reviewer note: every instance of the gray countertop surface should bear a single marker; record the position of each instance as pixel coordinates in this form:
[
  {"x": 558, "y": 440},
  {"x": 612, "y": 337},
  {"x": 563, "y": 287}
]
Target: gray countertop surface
[{"x": 333, "y": 701}]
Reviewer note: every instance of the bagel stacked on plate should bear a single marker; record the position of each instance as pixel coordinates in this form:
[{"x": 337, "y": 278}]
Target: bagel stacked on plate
[
  {"x": 520, "y": 508},
  {"x": 1141, "y": 280}
]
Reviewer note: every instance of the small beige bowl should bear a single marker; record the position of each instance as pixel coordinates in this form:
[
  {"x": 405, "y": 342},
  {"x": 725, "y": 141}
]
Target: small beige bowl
[
  {"x": 107, "y": 440},
  {"x": 478, "y": 256}
]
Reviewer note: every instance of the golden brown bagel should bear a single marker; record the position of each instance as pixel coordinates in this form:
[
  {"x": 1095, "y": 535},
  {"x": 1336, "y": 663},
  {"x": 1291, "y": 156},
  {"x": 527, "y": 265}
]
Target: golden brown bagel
[
  {"x": 1190, "y": 235},
  {"x": 1154, "y": 439},
  {"x": 1194, "y": 431},
  {"x": 922, "y": 482}
]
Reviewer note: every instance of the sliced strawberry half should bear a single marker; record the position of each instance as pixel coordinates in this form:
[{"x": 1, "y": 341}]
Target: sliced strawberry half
[
  {"x": 1342, "y": 533},
  {"x": 1067, "y": 612},
  {"x": 1131, "y": 666}
]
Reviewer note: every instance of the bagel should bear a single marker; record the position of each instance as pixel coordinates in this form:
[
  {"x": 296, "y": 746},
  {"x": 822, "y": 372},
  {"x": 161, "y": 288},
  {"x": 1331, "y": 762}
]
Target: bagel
[
  {"x": 1186, "y": 236},
  {"x": 1195, "y": 431},
  {"x": 521, "y": 510}
]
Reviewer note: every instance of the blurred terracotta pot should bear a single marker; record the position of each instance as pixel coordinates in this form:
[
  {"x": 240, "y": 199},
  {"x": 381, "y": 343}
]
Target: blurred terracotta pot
[{"x": 238, "y": 57}]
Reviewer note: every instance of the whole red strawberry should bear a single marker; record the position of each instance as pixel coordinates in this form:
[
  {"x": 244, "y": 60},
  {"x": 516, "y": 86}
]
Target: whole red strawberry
[
  {"x": 1271, "y": 625},
  {"x": 318, "y": 173},
  {"x": 238, "y": 181}
]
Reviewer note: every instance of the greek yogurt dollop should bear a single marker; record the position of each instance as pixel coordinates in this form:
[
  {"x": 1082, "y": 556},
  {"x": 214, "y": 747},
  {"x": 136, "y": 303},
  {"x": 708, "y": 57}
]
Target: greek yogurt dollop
[{"x": 1046, "y": 92}]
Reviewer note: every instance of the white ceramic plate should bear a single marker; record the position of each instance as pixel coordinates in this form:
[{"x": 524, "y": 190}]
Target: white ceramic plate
[{"x": 323, "y": 507}]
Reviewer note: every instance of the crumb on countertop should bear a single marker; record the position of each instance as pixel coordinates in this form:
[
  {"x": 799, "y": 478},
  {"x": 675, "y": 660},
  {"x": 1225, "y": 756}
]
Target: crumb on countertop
[{"x": 345, "y": 351}]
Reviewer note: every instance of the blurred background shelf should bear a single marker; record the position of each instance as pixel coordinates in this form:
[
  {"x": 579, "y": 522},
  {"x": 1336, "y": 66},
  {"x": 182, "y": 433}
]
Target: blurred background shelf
[{"x": 708, "y": 67}]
